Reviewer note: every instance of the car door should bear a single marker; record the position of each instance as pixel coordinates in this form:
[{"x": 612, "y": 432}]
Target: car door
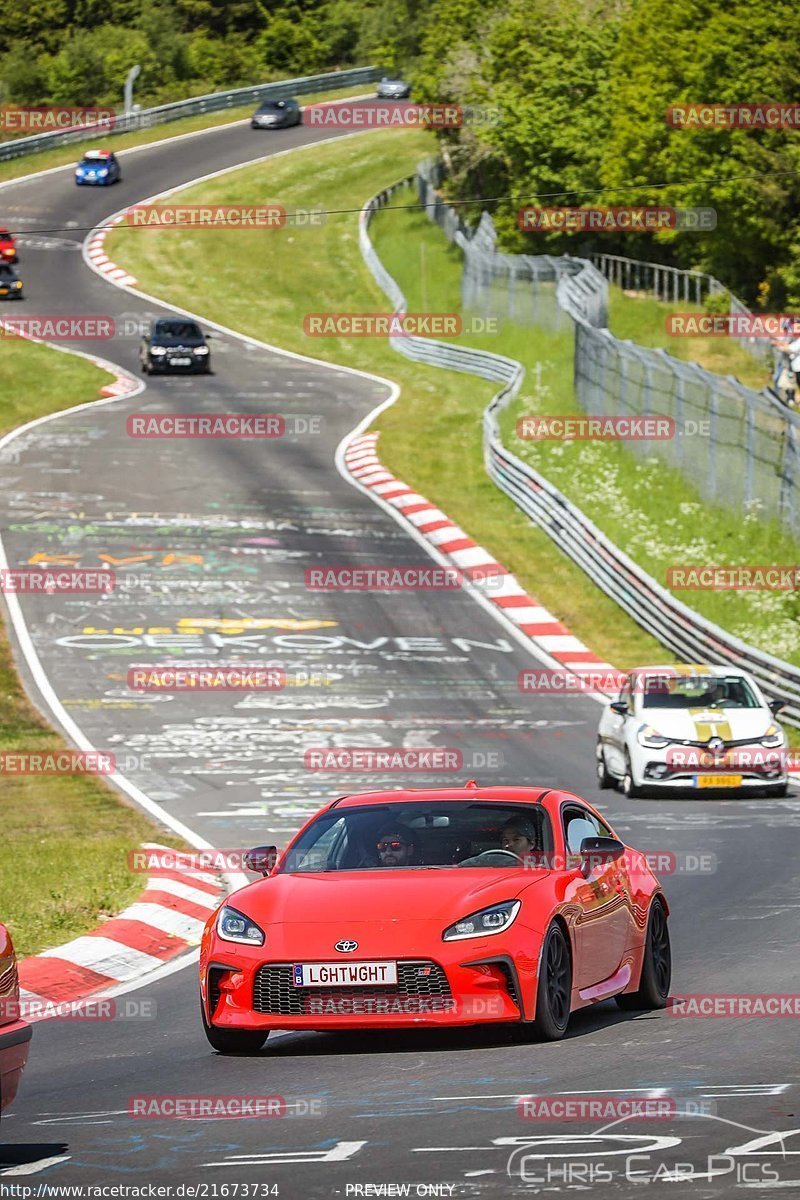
[
  {"x": 597, "y": 889},
  {"x": 614, "y": 731}
]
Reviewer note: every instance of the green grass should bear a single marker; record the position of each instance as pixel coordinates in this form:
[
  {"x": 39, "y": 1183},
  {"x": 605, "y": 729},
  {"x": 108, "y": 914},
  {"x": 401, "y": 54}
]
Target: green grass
[
  {"x": 65, "y": 838},
  {"x": 642, "y": 319},
  {"x": 35, "y": 380},
  {"x": 17, "y": 167}
]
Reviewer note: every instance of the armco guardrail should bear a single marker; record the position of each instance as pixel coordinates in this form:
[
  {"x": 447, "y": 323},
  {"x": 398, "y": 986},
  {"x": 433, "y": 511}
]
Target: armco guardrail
[
  {"x": 675, "y": 625},
  {"x": 214, "y": 102}
]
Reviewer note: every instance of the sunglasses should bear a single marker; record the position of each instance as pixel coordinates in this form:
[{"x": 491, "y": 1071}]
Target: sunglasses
[{"x": 390, "y": 846}]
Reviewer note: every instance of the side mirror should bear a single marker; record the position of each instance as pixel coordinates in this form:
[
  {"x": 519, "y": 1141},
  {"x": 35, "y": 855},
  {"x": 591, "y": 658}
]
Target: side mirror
[
  {"x": 619, "y": 706},
  {"x": 261, "y": 859},
  {"x": 597, "y": 850},
  {"x": 775, "y": 706}
]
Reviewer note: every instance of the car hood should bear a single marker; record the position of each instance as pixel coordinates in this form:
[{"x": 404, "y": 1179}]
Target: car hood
[
  {"x": 700, "y": 724},
  {"x": 367, "y": 897}
]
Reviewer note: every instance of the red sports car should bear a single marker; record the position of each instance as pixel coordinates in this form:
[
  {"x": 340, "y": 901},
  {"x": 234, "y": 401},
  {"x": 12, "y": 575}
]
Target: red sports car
[
  {"x": 436, "y": 908},
  {"x": 8, "y": 249},
  {"x": 15, "y": 1034}
]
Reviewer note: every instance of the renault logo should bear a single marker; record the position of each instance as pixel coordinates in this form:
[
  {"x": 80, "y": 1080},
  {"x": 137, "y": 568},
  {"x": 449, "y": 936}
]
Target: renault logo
[{"x": 346, "y": 946}]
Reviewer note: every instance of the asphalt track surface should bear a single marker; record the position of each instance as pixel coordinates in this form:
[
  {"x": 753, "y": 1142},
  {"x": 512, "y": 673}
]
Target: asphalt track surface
[{"x": 218, "y": 535}]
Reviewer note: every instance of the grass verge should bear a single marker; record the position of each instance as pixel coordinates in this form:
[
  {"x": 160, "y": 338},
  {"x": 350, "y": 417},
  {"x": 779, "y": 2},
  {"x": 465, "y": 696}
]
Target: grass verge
[{"x": 65, "y": 837}]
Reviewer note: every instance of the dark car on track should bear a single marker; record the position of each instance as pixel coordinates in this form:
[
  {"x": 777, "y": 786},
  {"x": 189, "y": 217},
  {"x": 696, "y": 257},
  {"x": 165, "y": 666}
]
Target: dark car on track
[
  {"x": 10, "y": 283},
  {"x": 276, "y": 114},
  {"x": 393, "y": 89},
  {"x": 175, "y": 344}
]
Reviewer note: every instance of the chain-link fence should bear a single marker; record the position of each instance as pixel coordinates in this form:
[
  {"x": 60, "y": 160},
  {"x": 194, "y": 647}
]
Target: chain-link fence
[{"x": 739, "y": 447}]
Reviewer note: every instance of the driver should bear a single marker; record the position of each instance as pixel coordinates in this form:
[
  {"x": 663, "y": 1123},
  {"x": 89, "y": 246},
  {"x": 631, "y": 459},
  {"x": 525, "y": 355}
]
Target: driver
[
  {"x": 395, "y": 847},
  {"x": 519, "y": 836}
]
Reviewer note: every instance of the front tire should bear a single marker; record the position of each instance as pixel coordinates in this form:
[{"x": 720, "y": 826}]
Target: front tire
[
  {"x": 629, "y": 787},
  {"x": 656, "y": 966},
  {"x": 233, "y": 1041},
  {"x": 604, "y": 779},
  {"x": 554, "y": 990}
]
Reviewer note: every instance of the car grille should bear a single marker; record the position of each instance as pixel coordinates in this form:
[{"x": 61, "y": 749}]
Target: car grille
[{"x": 274, "y": 991}]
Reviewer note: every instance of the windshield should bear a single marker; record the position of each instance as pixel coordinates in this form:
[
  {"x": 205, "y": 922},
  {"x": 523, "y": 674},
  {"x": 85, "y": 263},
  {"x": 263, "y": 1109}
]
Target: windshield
[
  {"x": 6, "y": 272},
  {"x": 418, "y": 835},
  {"x": 273, "y": 106},
  {"x": 697, "y": 691},
  {"x": 93, "y": 162},
  {"x": 177, "y": 329}
]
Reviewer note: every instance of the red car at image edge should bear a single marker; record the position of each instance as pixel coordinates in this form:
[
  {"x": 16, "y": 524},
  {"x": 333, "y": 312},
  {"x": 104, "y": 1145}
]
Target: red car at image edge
[
  {"x": 15, "y": 1034},
  {"x": 8, "y": 248},
  {"x": 436, "y": 908}
]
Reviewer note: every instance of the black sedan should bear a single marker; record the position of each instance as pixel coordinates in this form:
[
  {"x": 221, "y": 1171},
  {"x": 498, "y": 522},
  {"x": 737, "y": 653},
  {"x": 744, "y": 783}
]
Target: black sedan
[
  {"x": 175, "y": 344},
  {"x": 276, "y": 114},
  {"x": 10, "y": 283}
]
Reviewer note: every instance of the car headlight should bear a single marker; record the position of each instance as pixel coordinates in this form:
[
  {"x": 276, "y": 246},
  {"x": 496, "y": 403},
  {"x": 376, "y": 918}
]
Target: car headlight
[
  {"x": 773, "y": 737},
  {"x": 102, "y": 172},
  {"x": 233, "y": 926},
  {"x": 495, "y": 919},
  {"x": 17, "y": 284},
  {"x": 201, "y": 350},
  {"x": 646, "y": 735},
  {"x": 158, "y": 350}
]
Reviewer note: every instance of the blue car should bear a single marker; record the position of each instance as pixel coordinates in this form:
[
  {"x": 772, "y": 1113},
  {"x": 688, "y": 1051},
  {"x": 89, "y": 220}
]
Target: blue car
[{"x": 98, "y": 167}]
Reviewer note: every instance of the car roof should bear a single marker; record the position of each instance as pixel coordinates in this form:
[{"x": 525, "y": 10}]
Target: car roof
[
  {"x": 501, "y": 794},
  {"x": 98, "y": 154}
]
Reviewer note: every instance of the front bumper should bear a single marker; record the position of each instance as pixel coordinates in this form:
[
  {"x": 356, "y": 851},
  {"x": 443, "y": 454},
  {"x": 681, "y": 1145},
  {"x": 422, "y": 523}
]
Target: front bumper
[
  {"x": 165, "y": 366},
  {"x": 471, "y": 985},
  {"x": 684, "y": 768}
]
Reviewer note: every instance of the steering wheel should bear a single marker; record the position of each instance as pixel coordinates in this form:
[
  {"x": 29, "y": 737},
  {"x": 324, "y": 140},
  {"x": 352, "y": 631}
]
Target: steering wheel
[{"x": 491, "y": 854}]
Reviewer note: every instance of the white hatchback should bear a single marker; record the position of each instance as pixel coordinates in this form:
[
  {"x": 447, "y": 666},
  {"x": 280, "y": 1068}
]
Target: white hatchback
[{"x": 691, "y": 727}]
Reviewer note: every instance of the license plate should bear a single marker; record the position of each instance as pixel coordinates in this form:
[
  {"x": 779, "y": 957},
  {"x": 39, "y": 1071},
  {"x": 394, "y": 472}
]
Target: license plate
[
  {"x": 356, "y": 974},
  {"x": 718, "y": 781},
  {"x": 180, "y": 362}
]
